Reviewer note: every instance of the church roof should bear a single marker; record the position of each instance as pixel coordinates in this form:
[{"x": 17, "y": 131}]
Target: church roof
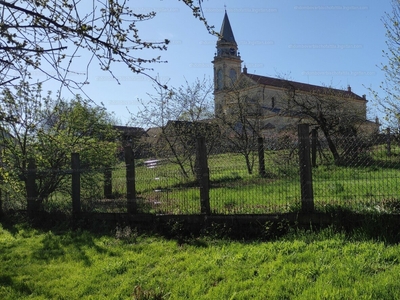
[
  {"x": 226, "y": 33},
  {"x": 305, "y": 87}
]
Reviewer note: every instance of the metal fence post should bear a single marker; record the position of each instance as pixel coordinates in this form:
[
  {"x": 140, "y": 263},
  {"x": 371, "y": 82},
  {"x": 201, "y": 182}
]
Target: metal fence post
[
  {"x": 130, "y": 181},
  {"x": 307, "y": 196},
  {"x": 76, "y": 183},
  {"x": 203, "y": 175}
]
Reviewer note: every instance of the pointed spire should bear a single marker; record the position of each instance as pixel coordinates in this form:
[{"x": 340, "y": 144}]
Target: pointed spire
[{"x": 226, "y": 31}]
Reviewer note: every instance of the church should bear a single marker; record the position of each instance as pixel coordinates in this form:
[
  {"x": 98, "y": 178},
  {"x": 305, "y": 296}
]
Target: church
[{"x": 278, "y": 104}]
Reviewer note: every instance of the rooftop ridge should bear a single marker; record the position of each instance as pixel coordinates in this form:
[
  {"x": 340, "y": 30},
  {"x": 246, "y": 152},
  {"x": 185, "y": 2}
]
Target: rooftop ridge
[{"x": 277, "y": 82}]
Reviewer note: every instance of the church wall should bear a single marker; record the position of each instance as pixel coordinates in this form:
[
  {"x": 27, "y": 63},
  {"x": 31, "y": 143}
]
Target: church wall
[
  {"x": 270, "y": 103},
  {"x": 270, "y": 97}
]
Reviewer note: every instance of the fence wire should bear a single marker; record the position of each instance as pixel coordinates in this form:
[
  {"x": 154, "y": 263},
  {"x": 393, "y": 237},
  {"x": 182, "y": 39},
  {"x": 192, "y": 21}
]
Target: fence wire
[{"x": 365, "y": 178}]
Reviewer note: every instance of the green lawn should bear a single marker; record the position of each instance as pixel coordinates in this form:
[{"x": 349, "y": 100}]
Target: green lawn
[{"x": 39, "y": 264}]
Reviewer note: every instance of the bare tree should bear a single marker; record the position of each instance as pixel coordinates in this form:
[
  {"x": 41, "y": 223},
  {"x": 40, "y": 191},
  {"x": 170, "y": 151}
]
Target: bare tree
[
  {"x": 50, "y": 36},
  {"x": 240, "y": 122},
  {"x": 175, "y": 118},
  {"x": 391, "y": 101},
  {"x": 194, "y": 100},
  {"x": 329, "y": 110}
]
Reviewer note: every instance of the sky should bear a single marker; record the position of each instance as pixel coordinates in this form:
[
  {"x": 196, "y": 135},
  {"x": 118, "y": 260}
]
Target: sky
[{"x": 331, "y": 43}]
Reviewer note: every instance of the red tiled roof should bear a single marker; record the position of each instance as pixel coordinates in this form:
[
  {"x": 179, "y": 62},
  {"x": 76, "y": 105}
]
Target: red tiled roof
[{"x": 282, "y": 83}]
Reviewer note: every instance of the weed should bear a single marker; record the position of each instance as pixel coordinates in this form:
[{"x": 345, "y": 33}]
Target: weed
[
  {"x": 391, "y": 205},
  {"x": 126, "y": 234},
  {"x": 140, "y": 294}
]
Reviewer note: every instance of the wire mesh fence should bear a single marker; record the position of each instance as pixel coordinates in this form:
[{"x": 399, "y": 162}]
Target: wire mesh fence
[
  {"x": 235, "y": 190},
  {"x": 366, "y": 178},
  {"x": 163, "y": 189}
]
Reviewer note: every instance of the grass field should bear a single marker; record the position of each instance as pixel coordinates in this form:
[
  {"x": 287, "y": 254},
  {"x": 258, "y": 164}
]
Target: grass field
[
  {"x": 362, "y": 187},
  {"x": 164, "y": 189},
  {"x": 65, "y": 264}
]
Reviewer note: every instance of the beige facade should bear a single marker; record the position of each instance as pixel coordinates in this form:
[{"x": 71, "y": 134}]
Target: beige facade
[{"x": 277, "y": 103}]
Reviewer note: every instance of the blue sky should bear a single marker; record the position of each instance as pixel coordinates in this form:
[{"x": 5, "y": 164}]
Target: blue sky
[{"x": 332, "y": 43}]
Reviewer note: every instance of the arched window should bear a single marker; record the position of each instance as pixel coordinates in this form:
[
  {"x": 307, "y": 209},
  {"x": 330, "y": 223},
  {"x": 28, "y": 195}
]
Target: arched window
[
  {"x": 219, "y": 79},
  {"x": 232, "y": 75}
]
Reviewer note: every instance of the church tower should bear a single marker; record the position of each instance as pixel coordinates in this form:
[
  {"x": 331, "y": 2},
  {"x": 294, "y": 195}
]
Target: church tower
[{"x": 227, "y": 63}]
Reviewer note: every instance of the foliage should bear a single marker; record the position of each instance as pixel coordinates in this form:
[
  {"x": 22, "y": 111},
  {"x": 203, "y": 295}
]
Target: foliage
[
  {"x": 47, "y": 131},
  {"x": 52, "y": 37}
]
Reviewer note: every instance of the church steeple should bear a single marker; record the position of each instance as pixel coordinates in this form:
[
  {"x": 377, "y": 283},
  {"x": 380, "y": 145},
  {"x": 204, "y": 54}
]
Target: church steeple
[
  {"x": 226, "y": 44},
  {"x": 226, "y": 33},
  {"x": 227, "y": 62}
]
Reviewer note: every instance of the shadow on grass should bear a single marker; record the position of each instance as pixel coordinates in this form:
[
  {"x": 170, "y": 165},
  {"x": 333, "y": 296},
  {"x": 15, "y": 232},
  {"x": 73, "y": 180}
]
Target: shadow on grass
[
  {"x": 61, "y": 237},
  {"x": 218, "y": 183},
  {"x": 72, "y": 238},
  {"x": 19, "y": 288},
  {"x": 69, "y": 244}
]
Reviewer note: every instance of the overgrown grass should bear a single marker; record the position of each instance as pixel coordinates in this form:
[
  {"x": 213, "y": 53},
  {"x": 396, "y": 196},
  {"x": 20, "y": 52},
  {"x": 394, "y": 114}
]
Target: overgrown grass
[{"x": 45, "y": 264}]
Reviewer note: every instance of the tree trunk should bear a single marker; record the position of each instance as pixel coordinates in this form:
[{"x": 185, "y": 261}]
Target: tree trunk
[
  {"x": 176, "y": 156},
  {"x": 332, "y": 146},
  {"x": 261, "y": 160},
  {"x": 248, "y": 164},
  {"x": 33, "y": 201}
]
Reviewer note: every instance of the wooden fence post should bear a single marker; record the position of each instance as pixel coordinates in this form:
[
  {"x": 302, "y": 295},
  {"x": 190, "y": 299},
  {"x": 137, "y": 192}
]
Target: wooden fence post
[
  {"x": 203, "y": 175},
  {"x": 31, "y": 191},
  {"x": 261, "y": 160},
  {"x": 76, "y": 183},
  {"x": 307, "y": 196},
  {"x": 108, "y": 183},
  {"x": 130, "y": 181},
  {"x": 314, "y": 139}
]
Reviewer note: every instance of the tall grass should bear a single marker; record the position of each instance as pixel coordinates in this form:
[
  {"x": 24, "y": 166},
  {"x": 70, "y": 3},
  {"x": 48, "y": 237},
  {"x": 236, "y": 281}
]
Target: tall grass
[{"x": 328, "y": 264}]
